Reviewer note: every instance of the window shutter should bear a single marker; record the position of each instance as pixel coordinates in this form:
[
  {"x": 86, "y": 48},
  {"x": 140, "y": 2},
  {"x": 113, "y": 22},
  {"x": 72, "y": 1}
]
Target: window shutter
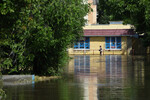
[
  {"x": 81, "y": 44},
  {"x": 107, "y": 43},
  {"x": 113, "y": 42},
  {"x": 87, "y": 43},
  {"x": 118, "y": 42}
]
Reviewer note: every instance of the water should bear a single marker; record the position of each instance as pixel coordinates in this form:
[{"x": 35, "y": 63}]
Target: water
[{"x": 93, "y": 77}]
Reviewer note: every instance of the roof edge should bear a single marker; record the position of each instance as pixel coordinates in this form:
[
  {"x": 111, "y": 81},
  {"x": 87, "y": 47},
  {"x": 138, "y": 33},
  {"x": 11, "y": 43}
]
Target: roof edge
[
  {"x": 109, "y": 26},
  {"x": 104, "y": 35}
]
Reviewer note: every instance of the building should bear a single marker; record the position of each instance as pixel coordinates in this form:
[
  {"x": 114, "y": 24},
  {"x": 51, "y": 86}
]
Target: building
[{"x": 114, "y": 38}]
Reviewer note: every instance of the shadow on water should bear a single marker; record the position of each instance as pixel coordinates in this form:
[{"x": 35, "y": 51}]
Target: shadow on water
[{"x": 93, "y": 77}]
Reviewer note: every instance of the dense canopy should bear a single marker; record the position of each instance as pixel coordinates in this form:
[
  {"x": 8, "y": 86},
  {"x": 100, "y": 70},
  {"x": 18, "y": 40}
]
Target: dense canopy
[
  {"x": 135, "y": 12},
  {"x": 35, "y": 34}
]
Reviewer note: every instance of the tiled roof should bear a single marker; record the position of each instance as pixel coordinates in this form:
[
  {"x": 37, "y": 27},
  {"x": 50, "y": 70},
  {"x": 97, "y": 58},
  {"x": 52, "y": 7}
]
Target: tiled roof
[{"x": 108, "y": 32}]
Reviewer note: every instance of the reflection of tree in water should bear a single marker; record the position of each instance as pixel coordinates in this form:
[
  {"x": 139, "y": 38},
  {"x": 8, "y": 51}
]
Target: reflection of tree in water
[{"x": 142, "y": 76}]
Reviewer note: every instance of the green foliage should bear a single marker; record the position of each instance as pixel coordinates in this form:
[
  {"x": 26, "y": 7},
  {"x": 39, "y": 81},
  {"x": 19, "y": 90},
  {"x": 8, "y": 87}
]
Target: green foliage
[
  {"x": 103, "y": 16},
  {"x": 135, "y": 12},
  {"x": 108, "y": 11},
  {"x": 36, "y": 33}
]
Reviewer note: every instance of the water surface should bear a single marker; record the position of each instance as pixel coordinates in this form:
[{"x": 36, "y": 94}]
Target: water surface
[{"x": 92, "y": 77}]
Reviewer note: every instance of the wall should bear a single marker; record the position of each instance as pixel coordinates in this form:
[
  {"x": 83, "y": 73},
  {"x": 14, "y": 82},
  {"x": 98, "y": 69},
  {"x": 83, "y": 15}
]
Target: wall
[
  {"x": 92, "y": 15},
  {"x": 95, "y": 43}
]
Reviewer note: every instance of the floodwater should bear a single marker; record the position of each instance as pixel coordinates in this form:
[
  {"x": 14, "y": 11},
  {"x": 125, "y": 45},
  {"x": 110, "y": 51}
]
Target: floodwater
[{"x": 92, "y": 77}]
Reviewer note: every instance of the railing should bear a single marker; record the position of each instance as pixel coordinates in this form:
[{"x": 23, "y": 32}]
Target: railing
[
  {"x": 95, "y": 51},
  {"x": 92, "y": 51}
]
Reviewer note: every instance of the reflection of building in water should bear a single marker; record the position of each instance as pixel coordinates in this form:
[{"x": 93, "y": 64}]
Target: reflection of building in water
[
  {"x": 82, "y": 65},
  {"x": 89, "y": 81},
  {"x": 113, "y": 67},
  {"x": 107, "y": 77},
  {"x": 101, "y": 76},
  {"x": 112, "y": 84}
]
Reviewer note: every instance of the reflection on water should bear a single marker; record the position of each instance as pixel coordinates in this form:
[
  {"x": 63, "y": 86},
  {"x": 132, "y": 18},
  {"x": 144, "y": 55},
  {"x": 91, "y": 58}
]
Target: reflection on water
[
  {"x": 111, "y": 77},
  {"x": 82, "y": 65},
  {"x": 94, "y": 77}
]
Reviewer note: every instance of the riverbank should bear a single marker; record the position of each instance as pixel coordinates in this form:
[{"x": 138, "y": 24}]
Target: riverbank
[
  {"x": 25, "y": 79},
  {"x": 45, "y": 78}
]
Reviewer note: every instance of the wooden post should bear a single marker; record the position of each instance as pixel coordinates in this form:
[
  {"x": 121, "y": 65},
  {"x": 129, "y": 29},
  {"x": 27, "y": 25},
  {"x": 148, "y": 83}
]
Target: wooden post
[{"x": 93, "y": 52}]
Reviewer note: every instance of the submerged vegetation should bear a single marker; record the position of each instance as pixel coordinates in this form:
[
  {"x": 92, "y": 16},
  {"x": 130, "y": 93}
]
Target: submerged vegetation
[{"x": 35, "y": 34}]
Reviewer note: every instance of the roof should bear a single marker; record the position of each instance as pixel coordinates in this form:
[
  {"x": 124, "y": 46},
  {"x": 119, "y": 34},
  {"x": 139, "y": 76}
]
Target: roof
[{"x": 108, "y": 30}]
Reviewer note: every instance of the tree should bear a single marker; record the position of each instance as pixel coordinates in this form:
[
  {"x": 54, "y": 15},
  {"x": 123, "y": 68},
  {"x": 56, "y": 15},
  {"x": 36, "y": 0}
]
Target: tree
[
  {"x": 135, "y": 12},
  {"x": 40, "y": 33},
  {"x": 103, "y": 16},
  {"x": 107, "y": 11}
]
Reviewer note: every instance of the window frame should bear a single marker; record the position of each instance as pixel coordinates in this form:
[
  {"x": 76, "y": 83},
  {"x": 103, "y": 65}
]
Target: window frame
[
  {"x": 109, "y": 43},
  {"x": 86, "y": 41}
]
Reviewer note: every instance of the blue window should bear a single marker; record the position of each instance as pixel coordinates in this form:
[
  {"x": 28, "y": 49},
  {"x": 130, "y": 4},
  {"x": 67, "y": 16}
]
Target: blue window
[
  {"x": 113, "y": 43},
  {"x": 107, "y": 43},
  {"x": 118, "y": 42},
  {"x": 87, "y": 43},
  {"x": 82, "y": 44}
]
